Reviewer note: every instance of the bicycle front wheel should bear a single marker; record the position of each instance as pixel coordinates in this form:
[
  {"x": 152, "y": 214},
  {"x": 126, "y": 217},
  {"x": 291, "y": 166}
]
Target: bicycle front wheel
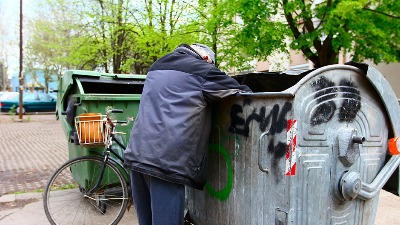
[{"x": 69, "y": 197}]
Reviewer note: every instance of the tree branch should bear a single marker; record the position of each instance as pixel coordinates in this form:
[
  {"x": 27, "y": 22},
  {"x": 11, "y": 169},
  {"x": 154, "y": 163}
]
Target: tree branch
[
  {"x": 196, "y": 9},
  {"x": 296, "y": 33},
  {"x": 308, "y": 23},
  {"x": 328, "y": 3},
  {"x": 382, "y": 13}
]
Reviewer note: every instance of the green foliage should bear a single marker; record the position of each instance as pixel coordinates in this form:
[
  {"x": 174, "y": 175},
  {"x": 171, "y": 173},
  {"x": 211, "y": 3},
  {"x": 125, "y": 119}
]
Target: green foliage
[
  {"x": 12, "y": 110},
  {"x": 158, "y": 27},
  {"x": 217, "y": 27},
  {"x": 127, "y": 36},
  {"x": 115, "y": 36},
  {"x": 368, "y": 29},
  {"x": 51, "y": 33}
]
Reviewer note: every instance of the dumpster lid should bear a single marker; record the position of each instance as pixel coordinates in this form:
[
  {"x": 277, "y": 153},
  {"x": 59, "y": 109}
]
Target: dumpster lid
[
  {"x": 270, "y": 81},
  {"x": 100, "y": 83},
  {"x": 98, "y": 74}
]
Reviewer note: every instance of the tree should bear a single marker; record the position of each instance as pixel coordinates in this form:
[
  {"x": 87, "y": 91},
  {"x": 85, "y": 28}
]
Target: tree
[
  {"x": 213, "y": 24},
  {"x": 49, "y": 74},
  {"x": 158, "y": 27},
  {"x": 5, "y": 47},
  {"x": 126, "y": 36},
  {"x": 115, "y": 36},
  {"x": 53, "y": 36},
  {"x": 3, "y": 77},
  {"x": 217, "y": 28},
  {"x": 369, "y": 29},
  {"x": 106, "y": 23}
]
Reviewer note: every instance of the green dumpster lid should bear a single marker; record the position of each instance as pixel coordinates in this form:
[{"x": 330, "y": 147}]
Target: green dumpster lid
[
  {"x": 125, "y": 76},
  {"x": 98, "y": 74},
  {"x": 70, "y": 73},
  {"x": 69, "y": 76}
]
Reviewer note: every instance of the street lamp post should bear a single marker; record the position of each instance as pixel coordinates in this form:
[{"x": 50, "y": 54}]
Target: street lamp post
[{"x": 21, "y": 77}]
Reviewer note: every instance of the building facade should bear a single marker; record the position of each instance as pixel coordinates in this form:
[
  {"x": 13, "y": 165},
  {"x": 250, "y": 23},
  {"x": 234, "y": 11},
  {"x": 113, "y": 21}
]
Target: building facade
[{"x": 35, "y": 82}]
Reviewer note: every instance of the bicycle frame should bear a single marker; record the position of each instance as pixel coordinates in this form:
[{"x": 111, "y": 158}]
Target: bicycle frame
[{"x": 107, "y": 158}]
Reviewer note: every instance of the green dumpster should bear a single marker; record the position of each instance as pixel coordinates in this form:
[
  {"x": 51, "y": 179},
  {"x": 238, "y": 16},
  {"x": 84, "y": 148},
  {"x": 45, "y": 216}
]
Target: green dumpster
[{"x": 82, "y": 92}]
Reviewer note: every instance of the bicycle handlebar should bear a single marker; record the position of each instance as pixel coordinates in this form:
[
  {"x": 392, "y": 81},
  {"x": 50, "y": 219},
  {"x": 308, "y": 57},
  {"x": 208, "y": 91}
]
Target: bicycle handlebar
[
  {"x": 120, "y": 121},
  {"x": 115, "y": 111}
]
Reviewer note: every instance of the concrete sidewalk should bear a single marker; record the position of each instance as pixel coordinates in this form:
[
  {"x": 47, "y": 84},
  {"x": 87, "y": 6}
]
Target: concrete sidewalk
[{"x": 33, "y": 213}]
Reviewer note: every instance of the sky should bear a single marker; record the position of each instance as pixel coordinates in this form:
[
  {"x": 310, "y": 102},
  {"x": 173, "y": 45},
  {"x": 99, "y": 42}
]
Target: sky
[{"x": 9, "y": 30}]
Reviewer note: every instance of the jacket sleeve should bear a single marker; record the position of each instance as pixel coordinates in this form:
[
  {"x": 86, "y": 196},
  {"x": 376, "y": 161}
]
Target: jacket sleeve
[{"x": 218, "y": 85}]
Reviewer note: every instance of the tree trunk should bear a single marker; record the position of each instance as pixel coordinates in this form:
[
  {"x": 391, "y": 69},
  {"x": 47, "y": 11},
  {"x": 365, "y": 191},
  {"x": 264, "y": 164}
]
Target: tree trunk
[{"x": 120, "y": 39}]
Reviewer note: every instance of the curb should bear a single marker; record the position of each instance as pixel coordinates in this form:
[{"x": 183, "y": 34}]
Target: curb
[{"x": 24, "y": 196}]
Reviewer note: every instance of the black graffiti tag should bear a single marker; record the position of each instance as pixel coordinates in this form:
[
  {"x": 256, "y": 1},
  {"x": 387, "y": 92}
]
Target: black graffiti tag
[
  {"x": 351, "y": 103},
  {"x": 275, "y": 120},
  {"x": 326, "y": 91}
]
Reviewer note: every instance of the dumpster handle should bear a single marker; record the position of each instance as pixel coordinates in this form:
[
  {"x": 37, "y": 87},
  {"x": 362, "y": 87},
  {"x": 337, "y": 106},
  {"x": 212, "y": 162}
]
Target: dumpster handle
[
  {"x": 260, "y": 152},
  {"x": 369, "y": 191}
]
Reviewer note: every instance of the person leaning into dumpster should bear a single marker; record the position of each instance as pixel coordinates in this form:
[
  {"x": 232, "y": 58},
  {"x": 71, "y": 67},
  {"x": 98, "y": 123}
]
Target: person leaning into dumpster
[{"x": 169, "y": 140}]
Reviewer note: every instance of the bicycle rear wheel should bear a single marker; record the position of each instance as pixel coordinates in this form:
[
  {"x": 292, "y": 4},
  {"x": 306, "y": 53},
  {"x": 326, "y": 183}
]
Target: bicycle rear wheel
[{"x": 66, "y": 200}]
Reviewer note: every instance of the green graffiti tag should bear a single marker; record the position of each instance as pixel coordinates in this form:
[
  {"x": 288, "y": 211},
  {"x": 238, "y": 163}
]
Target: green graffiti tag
[{"x": 225, "y": 192}]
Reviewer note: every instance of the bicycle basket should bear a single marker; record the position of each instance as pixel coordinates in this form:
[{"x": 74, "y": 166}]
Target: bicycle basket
[{"x": 91, "y": 129}]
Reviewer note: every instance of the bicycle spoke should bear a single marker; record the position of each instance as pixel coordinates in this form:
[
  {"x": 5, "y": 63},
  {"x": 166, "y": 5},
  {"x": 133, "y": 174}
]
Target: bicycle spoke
[{"x": 75, "y": 205}]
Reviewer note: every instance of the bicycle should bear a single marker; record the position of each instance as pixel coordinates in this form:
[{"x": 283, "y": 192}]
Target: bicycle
[{"x": 95, "y": 190}]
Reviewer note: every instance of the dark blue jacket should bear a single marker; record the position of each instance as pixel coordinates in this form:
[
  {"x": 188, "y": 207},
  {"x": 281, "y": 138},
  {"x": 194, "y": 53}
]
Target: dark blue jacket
[{"x": 169, "y": 138}]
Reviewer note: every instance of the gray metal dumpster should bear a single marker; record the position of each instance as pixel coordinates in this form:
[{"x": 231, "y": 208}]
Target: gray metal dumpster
[{"x": 311, "y": 152}]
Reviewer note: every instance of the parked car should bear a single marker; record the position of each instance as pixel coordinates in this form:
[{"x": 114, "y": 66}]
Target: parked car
[
  {"x": 4, "y": 95},
  {"x": 32, "y": 102}
]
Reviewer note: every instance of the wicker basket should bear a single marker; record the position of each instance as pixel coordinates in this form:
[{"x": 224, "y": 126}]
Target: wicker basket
[{"x": 91, "y": 130}]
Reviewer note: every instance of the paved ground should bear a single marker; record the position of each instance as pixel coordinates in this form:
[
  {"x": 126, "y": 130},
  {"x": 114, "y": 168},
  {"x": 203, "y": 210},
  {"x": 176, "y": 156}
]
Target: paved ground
[
  {"x": 31, "y": 150},
  {"x": 33, "y": 213}
]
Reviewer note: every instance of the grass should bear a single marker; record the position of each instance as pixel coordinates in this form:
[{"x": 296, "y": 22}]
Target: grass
[
  {"x": 62, "y": 187},
  {"x": 65, "y": 187},
  {"x": 13, "y": 112},
  {"x": 24, "y": 192}
]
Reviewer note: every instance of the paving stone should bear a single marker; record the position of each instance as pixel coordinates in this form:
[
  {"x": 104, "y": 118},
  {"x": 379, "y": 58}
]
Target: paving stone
[{"x": 30, "y": 151}]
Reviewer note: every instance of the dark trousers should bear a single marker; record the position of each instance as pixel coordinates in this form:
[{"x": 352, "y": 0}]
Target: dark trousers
[{"x": 157, "y": 202}]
